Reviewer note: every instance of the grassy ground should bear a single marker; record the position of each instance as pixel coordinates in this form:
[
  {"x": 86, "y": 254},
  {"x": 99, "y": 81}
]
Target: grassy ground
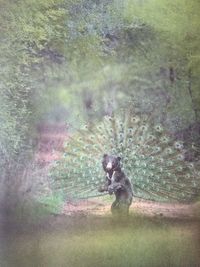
[{"x": 103, "y": 242}]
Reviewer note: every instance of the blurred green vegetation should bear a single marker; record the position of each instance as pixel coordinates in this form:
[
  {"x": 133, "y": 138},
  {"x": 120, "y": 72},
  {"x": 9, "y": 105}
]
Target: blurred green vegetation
[
  {"x": 103, "y": 242},
  {"x": 79, "y": 60}
]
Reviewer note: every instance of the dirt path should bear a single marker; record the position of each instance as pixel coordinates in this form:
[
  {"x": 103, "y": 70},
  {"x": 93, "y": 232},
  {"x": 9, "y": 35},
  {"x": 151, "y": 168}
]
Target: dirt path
[
  {"x": 51, "y": 138},
  {"x": 147, "y": 208}
]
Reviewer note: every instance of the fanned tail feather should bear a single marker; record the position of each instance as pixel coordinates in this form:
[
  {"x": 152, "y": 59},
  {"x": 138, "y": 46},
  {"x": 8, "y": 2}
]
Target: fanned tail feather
[{"x": 154, "y": 162}]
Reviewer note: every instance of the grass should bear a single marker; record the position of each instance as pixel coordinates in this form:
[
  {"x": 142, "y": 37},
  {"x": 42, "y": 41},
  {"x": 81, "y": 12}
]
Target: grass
[{"x": 102, "y": 242}]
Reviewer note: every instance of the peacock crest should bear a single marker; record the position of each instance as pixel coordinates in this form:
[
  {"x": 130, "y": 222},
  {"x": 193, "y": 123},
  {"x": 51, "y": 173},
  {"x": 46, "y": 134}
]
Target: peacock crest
[{"x": 152, "y": 159}]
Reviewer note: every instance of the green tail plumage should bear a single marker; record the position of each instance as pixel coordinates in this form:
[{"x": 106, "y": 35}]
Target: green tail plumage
[{"x": 152, "y": 160}]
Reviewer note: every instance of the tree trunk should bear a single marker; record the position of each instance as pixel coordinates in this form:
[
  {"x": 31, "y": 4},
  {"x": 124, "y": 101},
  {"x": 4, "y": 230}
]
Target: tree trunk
[{"x": 191, "y": 94}]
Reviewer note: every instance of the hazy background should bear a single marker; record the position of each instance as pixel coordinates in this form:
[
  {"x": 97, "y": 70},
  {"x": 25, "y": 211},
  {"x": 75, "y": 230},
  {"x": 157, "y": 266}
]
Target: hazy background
[{"x": 64, "y": 62}]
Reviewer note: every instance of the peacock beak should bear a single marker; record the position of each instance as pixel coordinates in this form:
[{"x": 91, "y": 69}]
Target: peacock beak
[{"x": 109, "y": 166}]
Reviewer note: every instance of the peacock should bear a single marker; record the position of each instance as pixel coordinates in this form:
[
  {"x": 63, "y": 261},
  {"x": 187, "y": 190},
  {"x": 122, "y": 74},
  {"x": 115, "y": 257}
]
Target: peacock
[{"x": 152, "y": 159}]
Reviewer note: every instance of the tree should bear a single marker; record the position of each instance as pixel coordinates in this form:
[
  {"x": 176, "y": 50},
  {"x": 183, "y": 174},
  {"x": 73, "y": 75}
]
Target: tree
[{"x": 177, "y": 28}]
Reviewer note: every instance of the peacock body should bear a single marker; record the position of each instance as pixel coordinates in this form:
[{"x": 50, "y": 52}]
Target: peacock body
[{"x": 151, "y": 158}]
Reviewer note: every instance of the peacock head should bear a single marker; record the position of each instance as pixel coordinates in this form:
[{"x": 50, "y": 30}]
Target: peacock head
[{"x": 111, "y": 163}]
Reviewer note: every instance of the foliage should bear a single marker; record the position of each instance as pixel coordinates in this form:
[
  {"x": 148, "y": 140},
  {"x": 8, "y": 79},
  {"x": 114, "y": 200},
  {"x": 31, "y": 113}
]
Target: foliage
[
  {"x": 24, "y": 52},
  {"x": 176, "y": 25}
]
